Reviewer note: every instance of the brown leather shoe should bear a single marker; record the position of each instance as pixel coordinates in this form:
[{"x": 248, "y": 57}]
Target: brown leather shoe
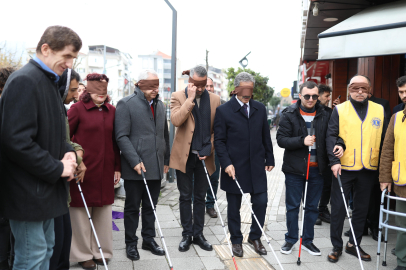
[
  {"x": 259, "y": 248},
  {"x": 88, "y": 265},
  {"x": 100, "y": 261},
  {"x": 334, "y": 254},
  {"x": 211, "y": 212},
  {"x": 353, "y": 251},
  {"x": 237, "y": 250}
]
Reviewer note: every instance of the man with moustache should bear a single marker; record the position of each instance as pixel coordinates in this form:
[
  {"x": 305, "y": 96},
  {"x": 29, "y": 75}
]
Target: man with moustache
[
  {"x": 361, "y": 124},
  {"x": 243, "y": 144},
  {"x": 142, "y": 135},
  {"x": 192, "y": 112},
  {"x": 401, "y": 83}
]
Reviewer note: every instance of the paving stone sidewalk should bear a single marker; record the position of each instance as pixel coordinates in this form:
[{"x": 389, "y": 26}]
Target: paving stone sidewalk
[{"x": 219, "y": 258}]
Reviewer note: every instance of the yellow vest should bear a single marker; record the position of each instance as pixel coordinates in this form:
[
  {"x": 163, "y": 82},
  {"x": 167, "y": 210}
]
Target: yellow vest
[
  {"x": 362, "y": 138},
  {"x": 399, "y": 165}
]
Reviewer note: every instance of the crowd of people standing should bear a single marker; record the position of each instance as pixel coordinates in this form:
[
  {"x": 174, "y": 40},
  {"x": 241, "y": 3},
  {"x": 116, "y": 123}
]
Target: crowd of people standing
[{"x": 47, "y": 152}]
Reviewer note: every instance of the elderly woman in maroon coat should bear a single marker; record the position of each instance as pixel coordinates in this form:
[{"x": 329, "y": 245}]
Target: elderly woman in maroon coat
[{"x": 91, "y": 123}]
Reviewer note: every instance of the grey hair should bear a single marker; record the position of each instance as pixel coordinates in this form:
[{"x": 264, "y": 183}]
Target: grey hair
[
  {"x": 243, "y": 77},
  {"x": 145, "y": 73},
  {"x": 200, "y": 71}
]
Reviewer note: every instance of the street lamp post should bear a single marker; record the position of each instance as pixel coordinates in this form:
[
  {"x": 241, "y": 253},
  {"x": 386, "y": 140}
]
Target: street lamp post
[{"x": 171, "y": 173}]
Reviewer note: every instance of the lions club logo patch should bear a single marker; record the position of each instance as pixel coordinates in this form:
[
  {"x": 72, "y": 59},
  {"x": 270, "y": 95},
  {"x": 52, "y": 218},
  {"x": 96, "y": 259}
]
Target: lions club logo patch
[{"x": 376, "y": 122}]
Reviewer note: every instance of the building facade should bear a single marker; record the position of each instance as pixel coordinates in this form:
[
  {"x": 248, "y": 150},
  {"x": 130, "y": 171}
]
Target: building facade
[{"x": 341, "y": 39}]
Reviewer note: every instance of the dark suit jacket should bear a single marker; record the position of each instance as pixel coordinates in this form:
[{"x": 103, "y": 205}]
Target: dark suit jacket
[
  {"x": 385, "y": 104},
  {"x": 245, "y": 143}
]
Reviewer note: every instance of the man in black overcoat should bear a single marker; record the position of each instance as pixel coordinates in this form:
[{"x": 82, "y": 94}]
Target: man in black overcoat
[{"x": 243, "y": 144}]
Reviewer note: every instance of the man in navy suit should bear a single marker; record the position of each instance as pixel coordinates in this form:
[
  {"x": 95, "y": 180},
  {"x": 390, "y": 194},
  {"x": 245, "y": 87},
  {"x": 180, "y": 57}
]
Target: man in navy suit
[{"x": 243, "y": 144}]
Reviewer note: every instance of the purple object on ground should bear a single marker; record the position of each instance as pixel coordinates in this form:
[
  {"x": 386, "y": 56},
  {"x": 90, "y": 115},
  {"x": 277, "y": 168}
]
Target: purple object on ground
[
  {"x": 115, "y": 228},
  {"x": 117, "y": 215}
]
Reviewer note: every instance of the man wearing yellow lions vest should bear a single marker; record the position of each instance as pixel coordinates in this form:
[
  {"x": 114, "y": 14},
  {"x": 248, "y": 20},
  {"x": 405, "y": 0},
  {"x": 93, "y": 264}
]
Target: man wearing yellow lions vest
[
  {"x": 361, "y": 124},
  {"x": 392, "y": 169}
]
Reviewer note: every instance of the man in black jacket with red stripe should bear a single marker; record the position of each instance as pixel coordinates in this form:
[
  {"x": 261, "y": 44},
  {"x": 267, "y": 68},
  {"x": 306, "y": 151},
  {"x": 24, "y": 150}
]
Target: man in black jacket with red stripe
[{"x": 296, "y": 123}]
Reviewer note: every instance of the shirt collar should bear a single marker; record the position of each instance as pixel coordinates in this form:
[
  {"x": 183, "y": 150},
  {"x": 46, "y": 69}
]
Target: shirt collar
[
  {"x": 45, "y": 67},
  {"x": 150, "y": 103},
  {"x": 242, "y": 103}
]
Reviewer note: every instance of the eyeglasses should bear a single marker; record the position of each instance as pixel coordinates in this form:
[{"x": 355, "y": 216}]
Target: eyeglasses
[{"x": 314, "y": 97}]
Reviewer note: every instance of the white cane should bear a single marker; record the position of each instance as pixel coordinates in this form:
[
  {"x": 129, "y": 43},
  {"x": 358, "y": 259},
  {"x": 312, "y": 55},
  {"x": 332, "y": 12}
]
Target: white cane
[
  {"x": 259, "y": 225},
  {"x": 349, "y": 219},
  {"x": 221, "y": 219},
  {"x": 157, "y": 221},
  {"x": 91, "y": 223}
]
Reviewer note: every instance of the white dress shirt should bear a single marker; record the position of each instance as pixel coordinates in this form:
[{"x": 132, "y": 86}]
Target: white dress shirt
[{"x": 242, "y": 104}]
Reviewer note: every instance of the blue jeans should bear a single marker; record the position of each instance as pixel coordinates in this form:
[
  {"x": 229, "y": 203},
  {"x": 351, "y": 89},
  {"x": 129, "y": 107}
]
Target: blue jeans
[
  {"x": 295, "y": 188},
  {"x": 34, "y": 243},
  {"x": 214, "y": 180}
]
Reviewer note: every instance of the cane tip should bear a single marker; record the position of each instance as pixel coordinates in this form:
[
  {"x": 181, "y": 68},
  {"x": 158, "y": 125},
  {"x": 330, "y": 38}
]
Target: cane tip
[{"x": 298, "y": 262}]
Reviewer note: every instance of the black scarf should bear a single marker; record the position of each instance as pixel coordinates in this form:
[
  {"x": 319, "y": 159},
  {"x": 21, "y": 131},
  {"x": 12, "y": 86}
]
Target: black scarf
[{"x": 201, "y": 141}]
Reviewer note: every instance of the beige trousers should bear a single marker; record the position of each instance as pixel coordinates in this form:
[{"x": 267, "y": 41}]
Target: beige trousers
[{"x": 84, "y": 246}]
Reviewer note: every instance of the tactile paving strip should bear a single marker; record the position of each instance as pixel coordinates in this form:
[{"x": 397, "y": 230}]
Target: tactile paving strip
[
  {"x": 249, "y": 264},
  {"x": 224, "y": 252}
]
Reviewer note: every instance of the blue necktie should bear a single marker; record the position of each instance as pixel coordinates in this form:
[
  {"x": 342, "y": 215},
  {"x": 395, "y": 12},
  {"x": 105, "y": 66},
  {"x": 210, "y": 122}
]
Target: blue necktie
[{"x": 245, "y": 109}]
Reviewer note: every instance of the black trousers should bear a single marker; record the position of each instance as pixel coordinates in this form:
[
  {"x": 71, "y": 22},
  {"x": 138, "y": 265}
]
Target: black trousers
[
  {"x": 136, "y": 193},
  {"x": 374, "y": 205},
  {"x": 186, "y": 188},
  {"x": 362, "y": 183},
  {"x": 259, "y": 202},
  {"x": 326, "y": 193},
  {"x": 5, "y": 232},
  {"x": 63, "y": 240}
]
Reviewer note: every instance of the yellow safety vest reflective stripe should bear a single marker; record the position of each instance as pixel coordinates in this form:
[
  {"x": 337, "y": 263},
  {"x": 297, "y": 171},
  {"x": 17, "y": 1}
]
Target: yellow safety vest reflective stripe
[{"x": 362, "y": 138}]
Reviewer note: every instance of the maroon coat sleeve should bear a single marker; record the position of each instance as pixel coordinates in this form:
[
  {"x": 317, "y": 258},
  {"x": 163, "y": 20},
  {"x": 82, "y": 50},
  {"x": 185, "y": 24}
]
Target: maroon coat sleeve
[{"x": 73, "y": 118}]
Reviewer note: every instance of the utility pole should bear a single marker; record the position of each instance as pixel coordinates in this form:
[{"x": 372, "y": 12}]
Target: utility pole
[
  {"x": 104, "y": 60},
  {"x": 171, "y": 174},
  {"x": 207, "y": 60}
]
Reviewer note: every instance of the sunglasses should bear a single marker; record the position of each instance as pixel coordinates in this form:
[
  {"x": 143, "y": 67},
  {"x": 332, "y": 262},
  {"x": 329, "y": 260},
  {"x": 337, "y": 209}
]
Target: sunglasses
[{"x": 314, "y": 97}]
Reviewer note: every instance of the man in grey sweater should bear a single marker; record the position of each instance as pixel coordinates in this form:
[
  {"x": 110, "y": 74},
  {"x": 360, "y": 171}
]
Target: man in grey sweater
[{"x": 142, "y": 135}]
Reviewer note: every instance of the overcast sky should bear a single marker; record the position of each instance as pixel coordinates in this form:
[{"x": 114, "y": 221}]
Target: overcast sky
[{"x": 229, "y": 29}]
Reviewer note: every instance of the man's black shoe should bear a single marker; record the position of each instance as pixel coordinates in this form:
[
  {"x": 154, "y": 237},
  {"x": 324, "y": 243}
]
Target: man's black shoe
[
  {"x": 211, "y": 212},
  {"x": 184, "y": 245},
  {"x": 335, "y": 254},
  {"x": 318, "y": 221},
  {"x": 353, "y": 251},
  {"x": 312, "y": 249},
  {"x": 325, "y": 216},
  {"x": 237, "y": 250},
  {"x": 132, "y": 253},
  {"x": 153, "y": 247},
  {"x": 258, "y": 247},
  {"x": 202, "y": 242},
  {"x": 375, "y": 233},
  {"x": 4, "y": 265},
  {"x": 287, "y": 248}
]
